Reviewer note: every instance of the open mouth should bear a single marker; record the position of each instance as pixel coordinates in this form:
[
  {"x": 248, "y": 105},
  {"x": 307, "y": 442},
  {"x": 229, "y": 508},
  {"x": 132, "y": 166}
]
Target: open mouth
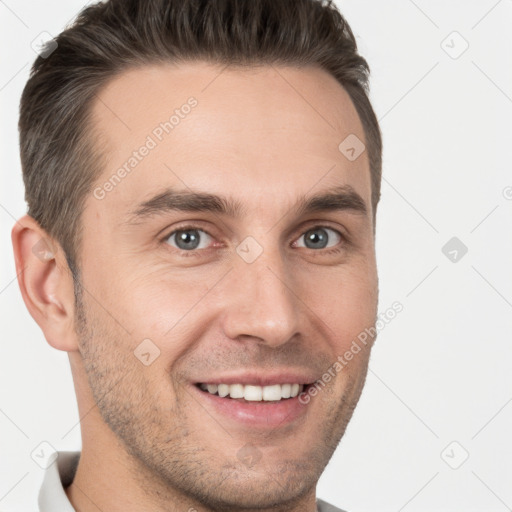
[
  {"x": 248, "y": 393},
  {"x": 274, "y": 406}
]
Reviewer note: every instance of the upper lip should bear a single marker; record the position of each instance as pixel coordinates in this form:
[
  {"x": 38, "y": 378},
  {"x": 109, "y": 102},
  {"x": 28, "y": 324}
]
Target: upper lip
[{"x": 257, "y": 378}]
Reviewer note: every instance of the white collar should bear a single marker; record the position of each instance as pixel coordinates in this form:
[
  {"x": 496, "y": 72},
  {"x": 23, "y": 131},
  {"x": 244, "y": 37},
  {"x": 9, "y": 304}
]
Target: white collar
[{"x": 58, "y": 475}]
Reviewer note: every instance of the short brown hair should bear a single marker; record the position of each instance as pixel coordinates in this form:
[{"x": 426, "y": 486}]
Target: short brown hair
[{"x": 60, "y": 155}]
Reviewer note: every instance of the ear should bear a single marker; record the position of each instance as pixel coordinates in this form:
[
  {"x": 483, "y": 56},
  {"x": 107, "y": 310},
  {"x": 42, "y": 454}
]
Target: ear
[{"x": 45, "y": 282}]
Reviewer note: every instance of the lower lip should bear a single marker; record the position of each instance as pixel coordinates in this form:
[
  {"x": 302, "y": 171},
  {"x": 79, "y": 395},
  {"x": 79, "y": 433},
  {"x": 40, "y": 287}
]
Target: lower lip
[{"x": 256, "y": 414}]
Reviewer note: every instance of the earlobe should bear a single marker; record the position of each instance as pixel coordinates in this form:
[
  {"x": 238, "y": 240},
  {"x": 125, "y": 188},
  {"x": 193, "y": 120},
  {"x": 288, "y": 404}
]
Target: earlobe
[{"x": 45, "y": 282}]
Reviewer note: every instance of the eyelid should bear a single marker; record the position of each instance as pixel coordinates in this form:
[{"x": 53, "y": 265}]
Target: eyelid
[
  {"x": 186, "y": 227},
  {"x": 320, "y": 226},
  {"x": 321, "y": 223}
]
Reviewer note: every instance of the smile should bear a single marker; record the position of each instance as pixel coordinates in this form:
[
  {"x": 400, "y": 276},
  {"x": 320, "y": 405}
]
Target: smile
[{"x": 250, "y": 393}]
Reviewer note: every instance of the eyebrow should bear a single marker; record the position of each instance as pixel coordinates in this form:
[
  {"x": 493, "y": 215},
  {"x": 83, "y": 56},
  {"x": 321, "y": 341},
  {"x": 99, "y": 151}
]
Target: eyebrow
[{"x": 340, "y": 198}]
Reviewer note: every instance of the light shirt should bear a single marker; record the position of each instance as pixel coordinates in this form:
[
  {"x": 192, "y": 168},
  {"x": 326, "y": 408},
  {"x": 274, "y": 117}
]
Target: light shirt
[{"x": 61, "y": 472}]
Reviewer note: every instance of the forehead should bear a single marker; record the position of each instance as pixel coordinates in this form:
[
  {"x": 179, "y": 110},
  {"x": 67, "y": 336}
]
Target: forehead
[{"x": 262, "y": 133}]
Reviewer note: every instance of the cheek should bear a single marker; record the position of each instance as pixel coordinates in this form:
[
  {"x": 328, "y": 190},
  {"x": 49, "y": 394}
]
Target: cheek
[
  {"x": 160, "y": 307},
  {"x": 346, "y": 301}
]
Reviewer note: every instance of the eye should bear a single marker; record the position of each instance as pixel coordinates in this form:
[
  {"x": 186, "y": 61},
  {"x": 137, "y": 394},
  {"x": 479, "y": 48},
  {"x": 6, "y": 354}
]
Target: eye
[
  {"x": 189, "y": 239},
  {"x": 320, "y": 237}
]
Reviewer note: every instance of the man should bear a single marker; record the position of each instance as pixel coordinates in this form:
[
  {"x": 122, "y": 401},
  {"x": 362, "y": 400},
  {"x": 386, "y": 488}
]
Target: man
[{"x": 202, "y": 181}]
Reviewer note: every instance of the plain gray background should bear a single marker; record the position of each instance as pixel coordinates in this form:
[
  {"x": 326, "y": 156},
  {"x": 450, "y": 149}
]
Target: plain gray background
[{"x": 432, "y": 428}]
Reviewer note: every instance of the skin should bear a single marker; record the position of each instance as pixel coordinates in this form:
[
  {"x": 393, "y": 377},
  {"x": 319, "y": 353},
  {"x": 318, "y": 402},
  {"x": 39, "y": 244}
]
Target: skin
[{"x": 146, "y": 443}]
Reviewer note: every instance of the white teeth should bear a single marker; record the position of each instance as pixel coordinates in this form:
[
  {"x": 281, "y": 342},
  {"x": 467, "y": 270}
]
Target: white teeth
[
  {"x": 223, "y": 389},
  {"x": 272, "y": 392},
  {"x": 252, "y": 393},
  {"x": 286, "y": 391},
  {"x": 236, "y": 391}
]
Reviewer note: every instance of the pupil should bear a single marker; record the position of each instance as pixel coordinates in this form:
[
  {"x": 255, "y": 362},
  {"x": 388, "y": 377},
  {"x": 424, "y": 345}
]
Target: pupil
[{"x": 317, "y": 237}]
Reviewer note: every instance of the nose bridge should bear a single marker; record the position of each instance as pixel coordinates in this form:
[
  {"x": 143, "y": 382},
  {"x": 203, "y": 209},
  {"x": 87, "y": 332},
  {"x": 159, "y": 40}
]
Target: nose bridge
[{"x": 263, "y": 304}]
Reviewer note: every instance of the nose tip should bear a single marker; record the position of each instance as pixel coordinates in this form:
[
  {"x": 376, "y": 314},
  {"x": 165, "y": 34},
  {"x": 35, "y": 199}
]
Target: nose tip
[{"x": 264, "y": 307}]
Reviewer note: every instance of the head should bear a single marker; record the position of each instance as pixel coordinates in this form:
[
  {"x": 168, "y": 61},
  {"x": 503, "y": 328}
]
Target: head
[{"x": 204, "y": 179}]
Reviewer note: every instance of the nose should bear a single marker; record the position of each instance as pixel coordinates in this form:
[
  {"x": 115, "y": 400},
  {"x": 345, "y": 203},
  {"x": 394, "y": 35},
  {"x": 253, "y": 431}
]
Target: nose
[{"x": 262, "y": 304}]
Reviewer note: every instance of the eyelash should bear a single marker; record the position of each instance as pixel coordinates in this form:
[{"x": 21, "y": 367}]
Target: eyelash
[{"x": 197, "y": 252}]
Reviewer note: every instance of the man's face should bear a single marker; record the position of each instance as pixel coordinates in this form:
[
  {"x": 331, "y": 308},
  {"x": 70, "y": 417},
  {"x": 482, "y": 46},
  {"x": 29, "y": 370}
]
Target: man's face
[{"x": 266, "y": 294}]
